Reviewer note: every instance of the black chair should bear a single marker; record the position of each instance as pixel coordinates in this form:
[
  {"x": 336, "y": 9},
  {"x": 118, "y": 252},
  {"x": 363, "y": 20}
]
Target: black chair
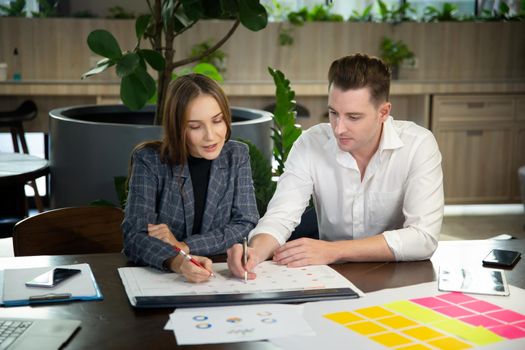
[
  {"x": 14, "y": 120},
  {"x": 15, "y": 207}
]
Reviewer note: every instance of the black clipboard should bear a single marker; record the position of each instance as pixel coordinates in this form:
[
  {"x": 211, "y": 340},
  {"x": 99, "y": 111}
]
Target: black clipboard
[{"x": 300, "y": 296}]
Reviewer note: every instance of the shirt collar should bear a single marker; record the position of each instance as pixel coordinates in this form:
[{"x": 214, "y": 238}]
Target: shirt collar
[
  {"x": 389, "y": 140},
  {"x": 389, "y": 137}
]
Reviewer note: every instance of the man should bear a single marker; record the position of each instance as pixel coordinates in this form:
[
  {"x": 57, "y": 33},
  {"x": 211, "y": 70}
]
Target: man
[{"x": 377, "y": 183}]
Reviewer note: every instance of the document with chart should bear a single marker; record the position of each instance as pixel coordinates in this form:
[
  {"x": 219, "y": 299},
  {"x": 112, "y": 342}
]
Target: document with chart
[{"x": 148, "y": 287}]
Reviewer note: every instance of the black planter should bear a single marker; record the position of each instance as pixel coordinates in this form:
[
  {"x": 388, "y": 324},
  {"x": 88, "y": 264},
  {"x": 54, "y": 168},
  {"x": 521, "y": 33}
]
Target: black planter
[{"x": 91, "y": 145}]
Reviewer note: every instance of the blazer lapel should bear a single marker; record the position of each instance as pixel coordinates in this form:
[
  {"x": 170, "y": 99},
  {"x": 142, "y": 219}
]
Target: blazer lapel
[
  {"x": 187, "y": 198},
  {"x": 216, "y": 185}
]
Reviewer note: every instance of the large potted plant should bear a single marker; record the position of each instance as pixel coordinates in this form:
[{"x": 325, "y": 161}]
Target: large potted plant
[
  {"x": 91, "y": 145},
  {"x": 284, "y": 133}
]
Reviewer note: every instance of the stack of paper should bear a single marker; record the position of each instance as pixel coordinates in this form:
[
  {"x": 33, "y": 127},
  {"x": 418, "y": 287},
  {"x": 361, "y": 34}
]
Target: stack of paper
[{"x": 237, "y": 323}]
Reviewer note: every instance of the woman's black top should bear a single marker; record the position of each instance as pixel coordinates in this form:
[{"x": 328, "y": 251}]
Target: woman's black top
[{"x": 200, "y": 176}]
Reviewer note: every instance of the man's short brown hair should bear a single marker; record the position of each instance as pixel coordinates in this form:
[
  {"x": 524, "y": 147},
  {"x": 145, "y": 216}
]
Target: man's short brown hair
[{"x": 358, "y": 71}]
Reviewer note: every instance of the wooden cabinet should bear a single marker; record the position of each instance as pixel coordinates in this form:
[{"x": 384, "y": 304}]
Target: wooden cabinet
[{"x": 482, "y": 141}]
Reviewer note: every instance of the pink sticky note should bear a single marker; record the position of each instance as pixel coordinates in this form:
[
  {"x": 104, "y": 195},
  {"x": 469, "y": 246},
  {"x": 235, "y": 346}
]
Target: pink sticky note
[
  {"x": 480, "y": 306},
  {"x": 479, "y": 320},
  {"x": 506, "y": 315},
  {"x": 431, "y": 303},
  {"x": 508, "y": 331},
  {"x": 454, "y": 311},
  {"x": 520, "y": 325},
  {"x": 456, "y": 297}
]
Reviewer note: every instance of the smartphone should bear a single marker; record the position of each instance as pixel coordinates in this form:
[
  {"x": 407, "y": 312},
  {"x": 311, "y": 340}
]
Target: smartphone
[
  {"x": 501, "y": 258},
  {"x": 52, "y": 278}
]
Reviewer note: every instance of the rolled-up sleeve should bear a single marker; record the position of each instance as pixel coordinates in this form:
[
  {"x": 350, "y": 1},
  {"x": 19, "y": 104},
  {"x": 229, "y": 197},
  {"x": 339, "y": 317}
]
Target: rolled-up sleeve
[{"x": 422, "y": 205}]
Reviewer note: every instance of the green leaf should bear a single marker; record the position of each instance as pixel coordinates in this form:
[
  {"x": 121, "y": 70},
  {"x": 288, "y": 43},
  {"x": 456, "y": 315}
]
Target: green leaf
[
  {"x": 193, "y": 9},
  {"x": 182, "y": 19},
  {"x": 252, "y": 14},
  {"x": 285, "y": 132},
  {"x": 167, "y": 13},
  {"x": 141, "y": 24},
  {"x": 262, "y": 177},
  {"x": 127, "y": 64},
  {"x": 208, "y": 70},
  {"x": 103, "y": 43},
  {"x": 154, "y": 59},
  {"x": 137, "y": 88},
  {"x": 95, "y": 70}
]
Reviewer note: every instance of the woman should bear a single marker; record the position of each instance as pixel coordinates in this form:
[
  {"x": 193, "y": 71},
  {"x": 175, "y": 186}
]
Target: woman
[{"x": 193, "y": 190}]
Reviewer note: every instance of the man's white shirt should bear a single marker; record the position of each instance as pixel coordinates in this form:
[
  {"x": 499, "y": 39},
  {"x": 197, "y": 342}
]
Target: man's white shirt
[{"x": 401, "y": 194}]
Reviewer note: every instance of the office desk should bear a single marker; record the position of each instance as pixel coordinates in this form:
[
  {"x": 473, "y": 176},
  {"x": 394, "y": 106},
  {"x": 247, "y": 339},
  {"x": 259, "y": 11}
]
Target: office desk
[{"x": 113, "y": 323}]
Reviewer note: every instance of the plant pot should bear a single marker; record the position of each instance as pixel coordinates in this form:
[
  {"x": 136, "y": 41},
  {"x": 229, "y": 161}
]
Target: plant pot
[{"x": 91, "y": 145}]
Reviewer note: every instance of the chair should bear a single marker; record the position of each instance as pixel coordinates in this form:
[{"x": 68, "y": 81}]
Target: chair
[
  {"x": 75, "y": 230},
  {"x": 14, "y": 120}
]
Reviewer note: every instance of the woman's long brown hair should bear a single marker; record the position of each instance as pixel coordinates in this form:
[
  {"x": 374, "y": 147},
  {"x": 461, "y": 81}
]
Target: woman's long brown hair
[{"x": 173, "y": 148}]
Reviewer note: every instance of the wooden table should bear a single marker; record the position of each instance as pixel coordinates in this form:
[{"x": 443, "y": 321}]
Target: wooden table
[{"x": 114, "y": 323}]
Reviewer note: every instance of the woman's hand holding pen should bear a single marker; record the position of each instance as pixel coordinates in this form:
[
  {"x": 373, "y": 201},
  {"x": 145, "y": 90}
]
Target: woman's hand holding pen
[
  {"x": 163, "y": 233},
  {"x": 192, "y": 272}
]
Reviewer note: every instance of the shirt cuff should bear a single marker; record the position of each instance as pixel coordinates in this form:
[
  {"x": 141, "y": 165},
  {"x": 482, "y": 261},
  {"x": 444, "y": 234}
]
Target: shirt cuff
[{"x": 280, "y": 234}]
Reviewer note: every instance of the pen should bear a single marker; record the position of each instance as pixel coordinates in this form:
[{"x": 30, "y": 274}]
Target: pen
[
  {"x": 50, "y": 296},
  {"x": 190, "y": 258},
  {"x": 245, "y": 258}
]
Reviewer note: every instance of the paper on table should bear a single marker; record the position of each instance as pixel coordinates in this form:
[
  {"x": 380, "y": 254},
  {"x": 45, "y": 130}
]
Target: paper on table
[
  {"x": 143, "y": 281},
  {"x": 339, "y": 336},
  {"x": 237, "y": 323}
]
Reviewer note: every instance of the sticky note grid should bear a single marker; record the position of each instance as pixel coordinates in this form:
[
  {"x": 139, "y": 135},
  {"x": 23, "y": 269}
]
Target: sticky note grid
[{"x": 447, "y": 321}]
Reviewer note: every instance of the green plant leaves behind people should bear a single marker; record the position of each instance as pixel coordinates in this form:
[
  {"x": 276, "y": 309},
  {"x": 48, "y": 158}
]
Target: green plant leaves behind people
[
  {"x": 154, "y": 59},
  {"x": 137, "y": 88},
  {"x": 285, "y": 132},
  {"x": 141, "y": 24},
  {"x": 252, "y": 14},
  {"x": 127, "y": 64},
  {"x": 103, "y": 43}
]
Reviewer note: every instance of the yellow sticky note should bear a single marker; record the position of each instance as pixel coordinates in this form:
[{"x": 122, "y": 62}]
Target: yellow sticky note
[
  {"x": 476, "y": 335},
  {"x": 366, "y": 327},
  {"x": 374, "y": 312},
  {"x": 422, "y": 333},
  {"x": 416, "y": 312},
  {"x": 414, "y": 347},
  {"x": 390, "y": 339},
  {"x": 397, "y": 322},
  {"x": 343, "y": 317},
  {"x": 449, "y": 344}
]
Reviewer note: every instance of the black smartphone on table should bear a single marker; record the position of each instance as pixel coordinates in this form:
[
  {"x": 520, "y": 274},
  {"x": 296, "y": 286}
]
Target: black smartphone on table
[
  {"x": 501, "y": 258},
  {"x": 52, "y": 277}
]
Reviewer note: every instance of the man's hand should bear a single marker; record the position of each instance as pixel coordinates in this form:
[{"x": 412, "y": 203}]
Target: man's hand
[
  {"x": 192, "y": 272},
  {"x": 163, "y": 233},
  {"x": 305, "y": 251},
  {"x": 235, "y": 261}
]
